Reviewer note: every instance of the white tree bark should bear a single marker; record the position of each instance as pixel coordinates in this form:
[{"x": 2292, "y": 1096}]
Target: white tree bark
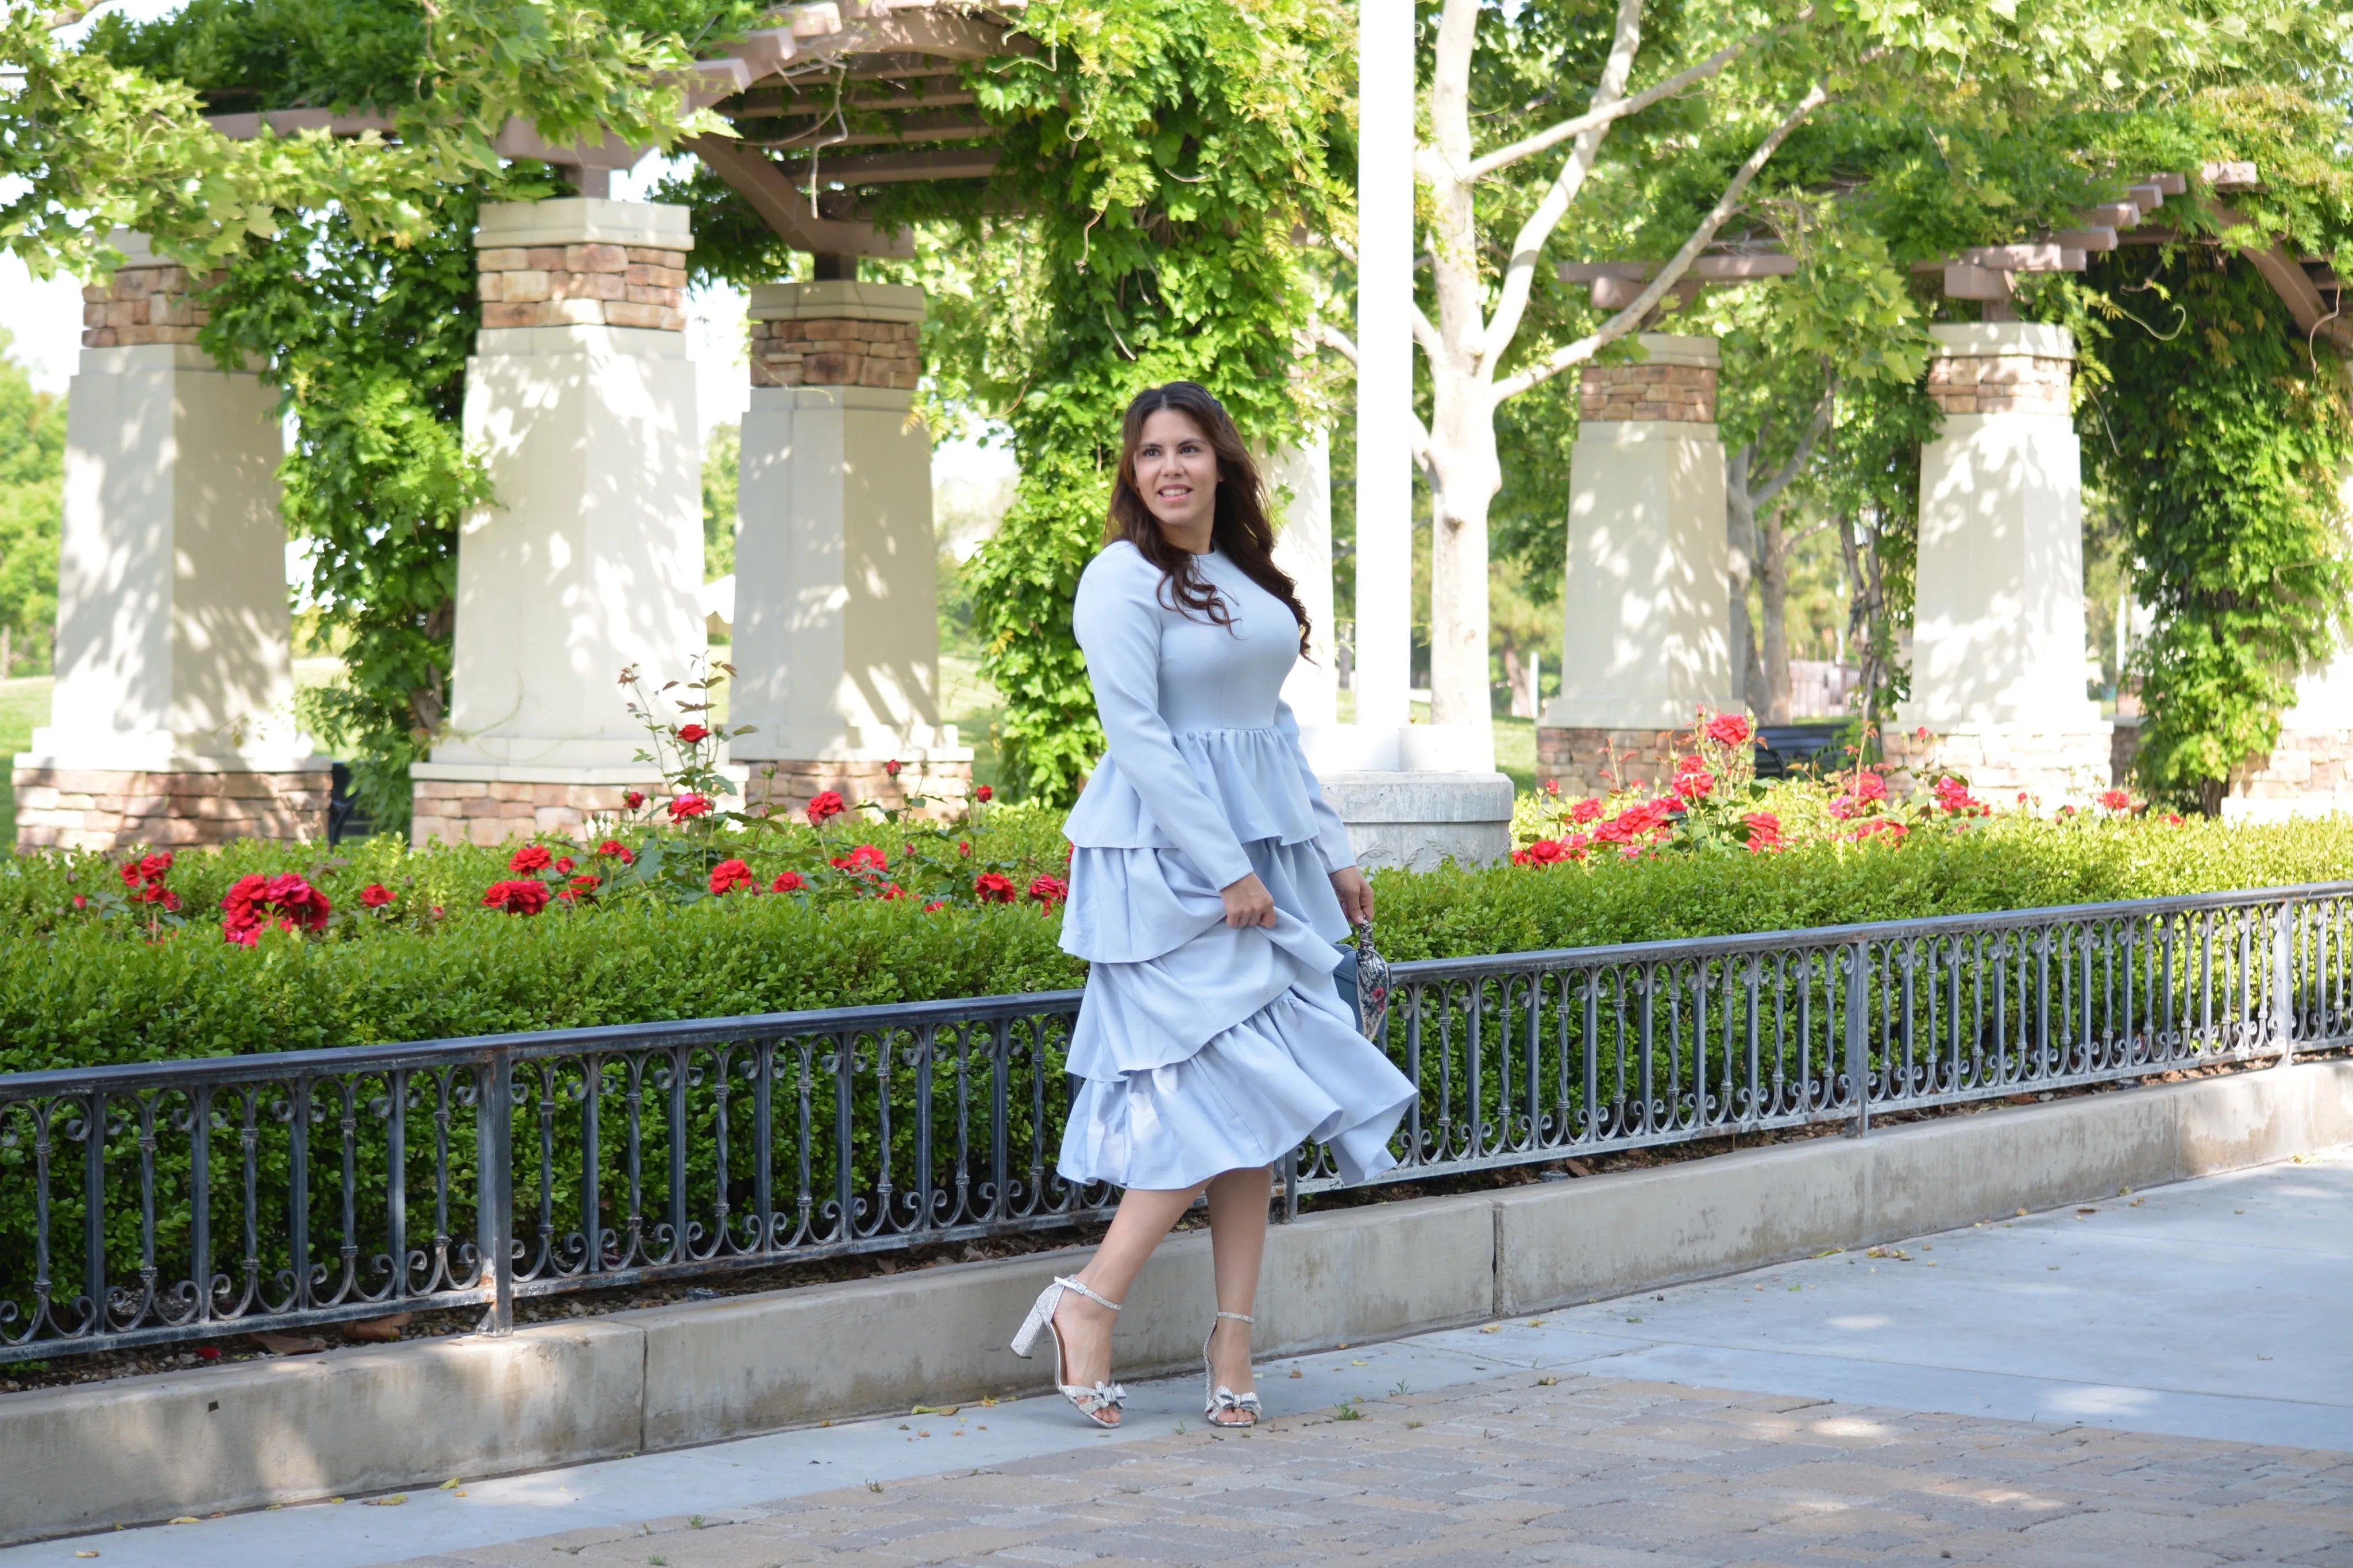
[{"x": 1469, "y": 340}]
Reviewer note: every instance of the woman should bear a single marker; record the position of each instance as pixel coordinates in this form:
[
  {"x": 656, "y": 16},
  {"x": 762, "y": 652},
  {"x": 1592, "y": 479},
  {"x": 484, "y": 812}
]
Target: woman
[{"x": 1209, "y": 883}]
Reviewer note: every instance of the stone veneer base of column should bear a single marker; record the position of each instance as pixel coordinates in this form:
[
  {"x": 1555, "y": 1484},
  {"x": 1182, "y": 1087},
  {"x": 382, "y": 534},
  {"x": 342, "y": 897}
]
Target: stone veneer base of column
[
  {"x": 109, "y": 809},
  {"x": 492, "y": 811},
  {"x": 1585, "y": 761},
  {"x": 2000, "y": 761},
  {"x": 2309, "y": 774},
  {"x": 787, "y": 786}
]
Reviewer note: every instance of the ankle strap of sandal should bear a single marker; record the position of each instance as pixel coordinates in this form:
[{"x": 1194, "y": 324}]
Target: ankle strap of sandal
[
  {"x": 1237, "y": 1317},
  {"x": 1090, "y": 1295}
]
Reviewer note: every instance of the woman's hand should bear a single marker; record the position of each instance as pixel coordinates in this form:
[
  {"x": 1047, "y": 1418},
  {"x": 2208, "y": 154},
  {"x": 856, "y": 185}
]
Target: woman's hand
[
  {"x": 1355, "y": 893},
  {"x": 1248, "y": 903}
]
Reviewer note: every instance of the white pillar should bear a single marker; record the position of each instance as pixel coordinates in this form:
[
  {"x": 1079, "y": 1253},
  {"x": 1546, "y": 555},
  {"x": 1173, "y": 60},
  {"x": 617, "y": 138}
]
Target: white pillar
[
  {"x": 1998, "y": 642},
  {"x": 1385, "y": 266},
  {"x": 1299, "y": 479},
  {"x": 590, "y": 557},
  {"x": 836, "y": 627},
  {"x": 172, "y": 720},
  {"x": 1646, "y": 635}
]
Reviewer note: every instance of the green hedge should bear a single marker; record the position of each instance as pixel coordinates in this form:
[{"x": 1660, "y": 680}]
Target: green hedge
[{"x": 76, "y": 989}]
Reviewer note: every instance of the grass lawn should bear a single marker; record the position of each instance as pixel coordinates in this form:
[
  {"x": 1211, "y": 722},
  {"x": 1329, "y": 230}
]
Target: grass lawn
[{"x": 24, "y": 703}]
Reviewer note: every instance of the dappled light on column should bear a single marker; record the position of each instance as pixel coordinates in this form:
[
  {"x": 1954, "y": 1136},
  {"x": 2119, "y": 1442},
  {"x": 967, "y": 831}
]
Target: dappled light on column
[
  {"x": 172, "y": 717},
  {"x": 1997, "y": 659},
  {"x": 836, "y": 623},
  {"x": 1647, "y": 615},
  {"x": 589, "y": 558}
]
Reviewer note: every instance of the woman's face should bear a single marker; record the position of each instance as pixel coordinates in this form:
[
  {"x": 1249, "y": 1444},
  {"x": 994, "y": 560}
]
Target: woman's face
[{"x": 1176, "y": 473}]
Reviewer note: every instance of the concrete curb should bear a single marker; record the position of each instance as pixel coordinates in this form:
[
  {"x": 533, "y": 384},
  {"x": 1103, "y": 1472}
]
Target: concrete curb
[{"x": 382, "y": 1418}]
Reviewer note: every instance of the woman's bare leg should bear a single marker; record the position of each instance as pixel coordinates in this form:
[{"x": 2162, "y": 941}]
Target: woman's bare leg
[
  {"x": 1144, "y": 1218},
  {"x": 1238, "y": 1204}
]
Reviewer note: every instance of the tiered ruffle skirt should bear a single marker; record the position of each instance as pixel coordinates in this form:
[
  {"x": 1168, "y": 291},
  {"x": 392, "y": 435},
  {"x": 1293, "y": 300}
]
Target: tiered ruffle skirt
[{"x": 1203, "y": 1047}]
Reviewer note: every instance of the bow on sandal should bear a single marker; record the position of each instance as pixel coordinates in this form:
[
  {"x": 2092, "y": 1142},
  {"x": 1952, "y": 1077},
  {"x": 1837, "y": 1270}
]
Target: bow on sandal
[
  {"x": 1091, "y": 1403},
  {"x": 1223, "y": 1400}
]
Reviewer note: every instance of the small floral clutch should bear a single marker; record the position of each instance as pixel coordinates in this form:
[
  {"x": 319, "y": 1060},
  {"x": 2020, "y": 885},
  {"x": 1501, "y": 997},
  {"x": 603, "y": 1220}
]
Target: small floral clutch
[{"x": 1372, "y": 983}]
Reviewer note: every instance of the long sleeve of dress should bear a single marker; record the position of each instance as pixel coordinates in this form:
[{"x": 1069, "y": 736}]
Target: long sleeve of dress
[
  {"x": 1331, "y": 835},
  {"x": 1117, "y": 619}
]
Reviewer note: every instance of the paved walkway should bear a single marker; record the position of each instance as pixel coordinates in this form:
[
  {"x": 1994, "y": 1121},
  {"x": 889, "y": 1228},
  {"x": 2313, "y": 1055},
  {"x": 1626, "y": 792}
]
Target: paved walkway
[{"x": 2158, "y": 1381}]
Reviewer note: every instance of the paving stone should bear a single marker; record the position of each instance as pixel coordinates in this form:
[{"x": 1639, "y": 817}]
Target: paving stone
[{"x": 1586, "y": 1474}]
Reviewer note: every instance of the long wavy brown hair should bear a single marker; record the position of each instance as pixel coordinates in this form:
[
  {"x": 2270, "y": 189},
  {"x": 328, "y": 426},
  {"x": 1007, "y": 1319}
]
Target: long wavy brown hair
[{"x": 1240, "y": 527}]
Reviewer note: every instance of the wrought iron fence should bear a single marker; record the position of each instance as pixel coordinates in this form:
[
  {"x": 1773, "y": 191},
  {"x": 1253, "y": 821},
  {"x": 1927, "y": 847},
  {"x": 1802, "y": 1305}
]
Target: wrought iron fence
[{"x": 183, "y": 1200}]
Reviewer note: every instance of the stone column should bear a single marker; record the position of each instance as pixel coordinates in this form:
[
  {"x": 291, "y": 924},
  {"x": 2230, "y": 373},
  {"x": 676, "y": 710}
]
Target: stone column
[
  {"x": 1997, "y": 641},
  {"x": 1299, "y": 482},
  {"x": 837, "y": 621},
  {"x": 1646, "y": 619},
  {"x": 172, "y": 717},
  {"x": 590, "y": 557}
]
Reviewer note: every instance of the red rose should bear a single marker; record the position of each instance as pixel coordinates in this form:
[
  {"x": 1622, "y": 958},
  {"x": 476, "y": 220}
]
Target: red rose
[
  {"x": 692, "y": 734},
  {"x": 1585, "y": 811},
  {"x": 633, "y": 798},
  {"x": 1693, "y": 784},
  {"x": 258, "y": 903},
  {"x": 2116, "y": 800},
  {"x": 890, "y": 769},
  {"x": 2173, "y": 819},
  {"x": 614, "y": 850},
  {"x": 994, "y": 888},
  {"x": 963, "y": 847},
  {"x": 788, "y": 882},
  {"x": 1552, "y": 788},
  {"x": 936, "y": 906},
  {"x": 516, "y": 898},
  {"x": 1728, "y": 730},
  {"x": 563, "y": 864},
  {"x": 1764, "y": 832},
  {"x": 376, "y": 895},
  {"x": 827, "y": 805},
  {"x": 1921, "y": 733},
  {"x": 865, "y": 857},
  {"x": 80, "y": 902},
  {"x": 729, "y": 875},
  {"x": 890, "y": 890},
  {"x": 688, "y": 805},
  {"x": 586, "y": 880},
  {"x": 1869, "y": 787},
  {"x": 1049, "y": 890},
  {"x": 984, "y": 794},
  {"x": 1548, "y": 852},
  {"x": 529, "y": 858}
]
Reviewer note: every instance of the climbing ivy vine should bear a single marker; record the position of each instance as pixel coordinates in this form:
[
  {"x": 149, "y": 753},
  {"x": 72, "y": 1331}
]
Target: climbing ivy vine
[
  {"x": 2220, "y": 447},
  {"x": 1168, "y": 150},
  {"x": 367, "y": 344}
]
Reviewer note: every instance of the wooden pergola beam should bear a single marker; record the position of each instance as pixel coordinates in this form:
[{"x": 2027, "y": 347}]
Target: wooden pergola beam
[{"x": 785, "y": 207}]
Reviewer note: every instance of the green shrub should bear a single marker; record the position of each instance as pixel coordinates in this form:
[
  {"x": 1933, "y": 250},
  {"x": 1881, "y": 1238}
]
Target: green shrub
[{"x": 80, "y": 988}]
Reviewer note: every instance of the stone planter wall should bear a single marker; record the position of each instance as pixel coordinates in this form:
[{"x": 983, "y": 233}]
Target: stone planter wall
[{"x": 114, "y": 809}]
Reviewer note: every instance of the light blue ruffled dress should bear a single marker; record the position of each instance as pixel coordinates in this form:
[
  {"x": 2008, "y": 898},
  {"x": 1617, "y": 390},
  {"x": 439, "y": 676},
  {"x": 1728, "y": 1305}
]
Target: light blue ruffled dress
[{"x": 1205, "y": 1047}]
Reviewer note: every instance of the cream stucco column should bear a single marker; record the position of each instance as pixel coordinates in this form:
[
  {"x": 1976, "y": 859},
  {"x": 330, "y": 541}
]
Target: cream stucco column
[
  {"x": 590, "y": 557},
  {"x": 1646, "y": 637},
  {"x": 837, "y": 622},
  {"x": 1997, "y": 641},
  {"x": 172, "y": 720}
]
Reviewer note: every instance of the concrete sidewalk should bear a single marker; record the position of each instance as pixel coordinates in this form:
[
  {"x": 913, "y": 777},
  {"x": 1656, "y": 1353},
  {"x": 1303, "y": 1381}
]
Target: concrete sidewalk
[{"x": 2156, "y": 1379}]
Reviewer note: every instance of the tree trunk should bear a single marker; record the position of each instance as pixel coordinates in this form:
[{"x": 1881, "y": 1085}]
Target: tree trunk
[
  {"x": 1740, "y": 538},
  {"x": 1468, "y": 478},
  {"x": 1773, "y": 590}
]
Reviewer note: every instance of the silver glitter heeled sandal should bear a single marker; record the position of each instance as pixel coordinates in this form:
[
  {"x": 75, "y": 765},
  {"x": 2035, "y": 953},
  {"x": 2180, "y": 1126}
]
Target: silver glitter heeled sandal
[
  {"x": 1223, "y": 1400},
  {"x": 1091, "y": 1403}
]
